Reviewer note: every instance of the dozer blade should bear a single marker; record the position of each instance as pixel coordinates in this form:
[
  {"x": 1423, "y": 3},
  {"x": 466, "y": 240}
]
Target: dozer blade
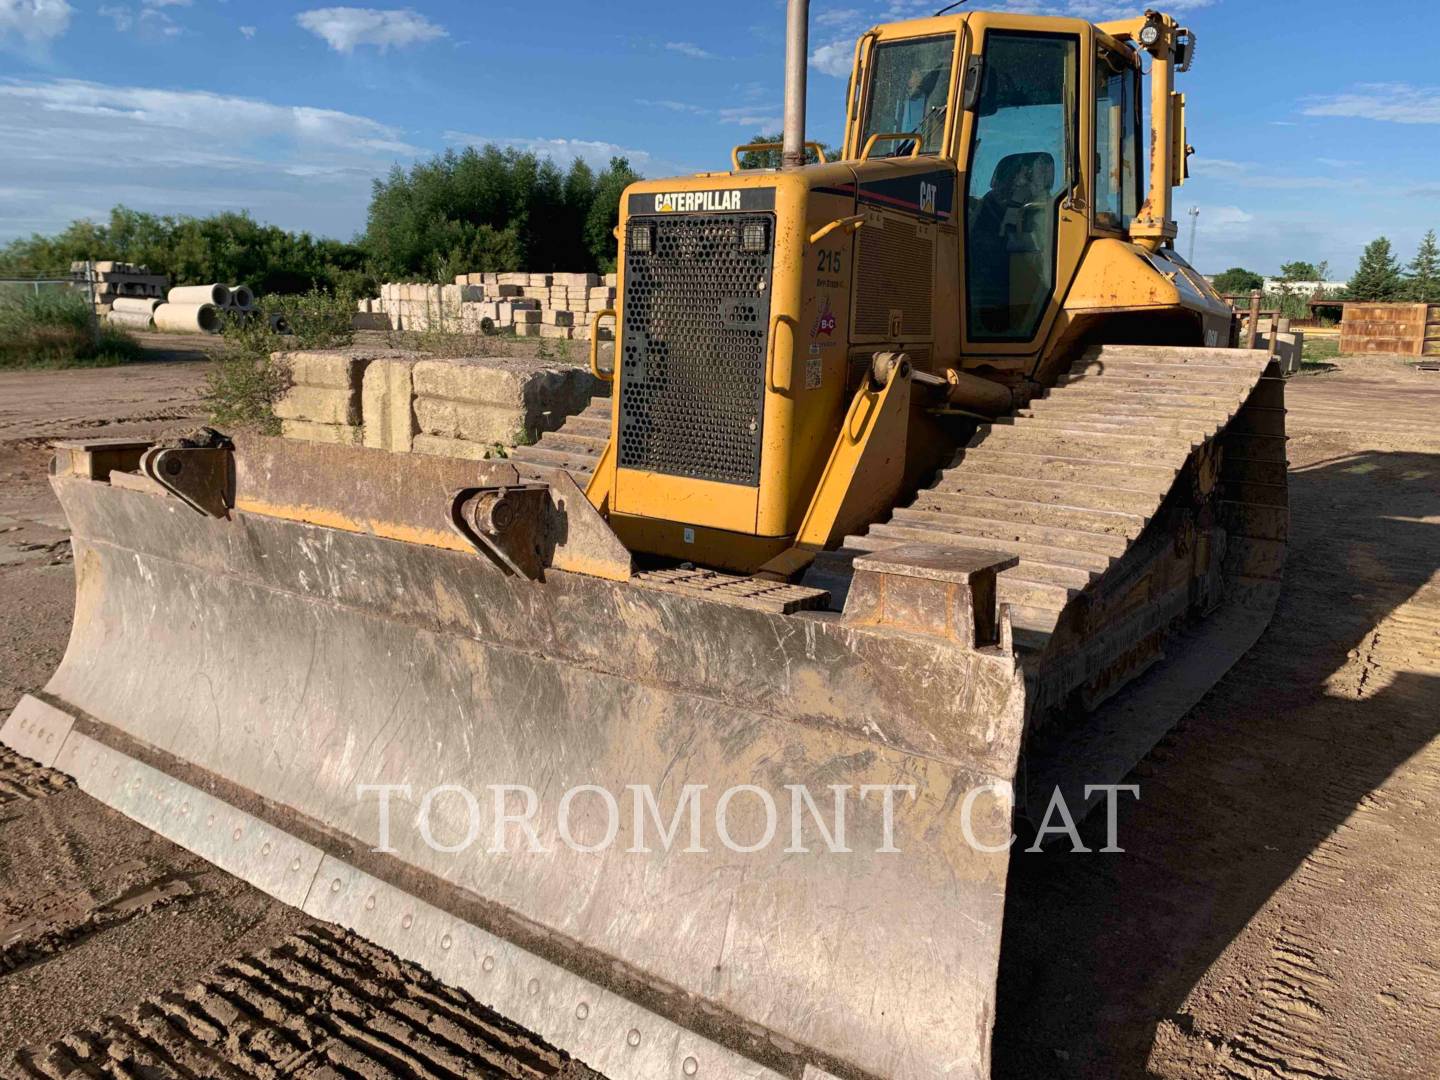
[{"x": 242, "y": 684}]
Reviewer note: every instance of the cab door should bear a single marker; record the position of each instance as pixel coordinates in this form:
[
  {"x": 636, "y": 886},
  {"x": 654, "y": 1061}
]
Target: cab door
[{"x": 1026, "y": 218}]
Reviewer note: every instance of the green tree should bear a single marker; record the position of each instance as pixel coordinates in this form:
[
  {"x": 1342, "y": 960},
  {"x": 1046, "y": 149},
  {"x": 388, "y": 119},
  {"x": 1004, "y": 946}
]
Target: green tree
[
  {"x": 1299, "y": 271},
  {"x": 1237, "y": 281},
  {"x": 228, "y": 247},
  {"x": 1422, "y": 278},
  {"x": 1378, "y": 275},
  {"x": 492, "y": 208},
  {"x": 604, "y": 212},
  {"x": 770, "y": 159}
]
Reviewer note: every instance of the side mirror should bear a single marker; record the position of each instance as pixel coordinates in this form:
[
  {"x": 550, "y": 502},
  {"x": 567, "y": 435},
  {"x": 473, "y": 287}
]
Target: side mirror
[{"x": 970, "y": 91}]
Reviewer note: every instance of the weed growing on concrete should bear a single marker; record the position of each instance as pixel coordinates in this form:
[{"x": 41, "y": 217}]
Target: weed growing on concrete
[{"x": 248, "y": 373}]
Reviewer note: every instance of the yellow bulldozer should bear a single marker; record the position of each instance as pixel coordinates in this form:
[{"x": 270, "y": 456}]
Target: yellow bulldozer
[{"x": 929, "y": 490}]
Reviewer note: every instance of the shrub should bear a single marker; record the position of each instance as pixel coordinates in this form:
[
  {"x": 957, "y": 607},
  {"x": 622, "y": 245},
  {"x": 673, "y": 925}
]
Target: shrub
[
  {"x": 55, "y": 328},
  {"x": 248, "y": 373}
]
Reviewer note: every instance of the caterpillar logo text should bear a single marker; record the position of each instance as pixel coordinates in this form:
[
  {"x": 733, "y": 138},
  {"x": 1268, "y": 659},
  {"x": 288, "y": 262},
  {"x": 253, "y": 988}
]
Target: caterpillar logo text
[{"x": 687, "y": 201}]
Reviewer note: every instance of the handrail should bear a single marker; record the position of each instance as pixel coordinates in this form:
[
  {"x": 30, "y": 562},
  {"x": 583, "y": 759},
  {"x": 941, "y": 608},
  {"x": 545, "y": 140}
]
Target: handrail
[
  {"x": 776, "y": 320},
  {"x": 603, "y": 376},
  {"x": 891, "y": 136},
  {"x": 849, "y": 224},
  {"x": 745, "y": 147}
]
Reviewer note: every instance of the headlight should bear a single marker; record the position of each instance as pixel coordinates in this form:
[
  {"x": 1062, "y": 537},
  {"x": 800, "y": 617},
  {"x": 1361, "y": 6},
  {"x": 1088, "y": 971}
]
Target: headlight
[
  {"x": 754, "y": 237},
  {"x": 640, "y": 239},
  {"x": 1149, "y": 34}
]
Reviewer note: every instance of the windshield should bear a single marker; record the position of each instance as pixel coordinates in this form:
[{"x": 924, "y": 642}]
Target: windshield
[{"x": 909, "y": 94}]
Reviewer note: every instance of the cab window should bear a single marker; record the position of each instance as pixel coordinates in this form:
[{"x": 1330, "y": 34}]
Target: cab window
[
  {"x": 1117, "y": 120},
  {"x": 1021, "y": 168},
  {"x": 909, "y": 94}
]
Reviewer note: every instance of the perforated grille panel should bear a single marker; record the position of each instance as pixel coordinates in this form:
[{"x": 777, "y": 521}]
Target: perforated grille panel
[
  {"x": 896, "y": 273},
  {"x": 692, "y": 367}
]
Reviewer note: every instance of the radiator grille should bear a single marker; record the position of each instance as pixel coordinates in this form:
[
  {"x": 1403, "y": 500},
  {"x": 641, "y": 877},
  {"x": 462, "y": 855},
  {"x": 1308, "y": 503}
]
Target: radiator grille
[
  {"x": 896, "y": 273},
  {"x": 692, "y": 366}
]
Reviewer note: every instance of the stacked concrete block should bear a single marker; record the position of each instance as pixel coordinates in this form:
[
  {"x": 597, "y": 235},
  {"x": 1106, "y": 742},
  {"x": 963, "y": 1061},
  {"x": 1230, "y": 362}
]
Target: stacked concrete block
[
  {"x": 490, "y": 302},
  {"x": 112, "y": 280},
  {"x": 464, "y": 408},
  {"x": 324, "y": 401},
  {"x": 387, "y": 411}
]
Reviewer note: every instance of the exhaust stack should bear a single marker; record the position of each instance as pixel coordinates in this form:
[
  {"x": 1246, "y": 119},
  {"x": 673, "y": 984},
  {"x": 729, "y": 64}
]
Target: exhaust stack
[{"x": 797, "y": 50}]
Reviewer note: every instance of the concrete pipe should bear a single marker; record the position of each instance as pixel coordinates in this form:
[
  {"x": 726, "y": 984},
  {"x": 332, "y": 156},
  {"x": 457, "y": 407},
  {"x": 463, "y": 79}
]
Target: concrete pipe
[
  {"x": 137, "y": 305},
  {"x": 131, "y": 320},
  {"x": 279, "y": 325},
  {"x": 188, "y": 318},
  {"x": 218, "y": 295},
  {"x": 241, "y": 297}
]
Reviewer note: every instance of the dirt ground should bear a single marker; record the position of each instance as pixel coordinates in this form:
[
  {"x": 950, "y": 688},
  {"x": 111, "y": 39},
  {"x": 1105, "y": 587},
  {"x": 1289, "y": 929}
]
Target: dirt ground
[{"x": 1276, "y": 913}]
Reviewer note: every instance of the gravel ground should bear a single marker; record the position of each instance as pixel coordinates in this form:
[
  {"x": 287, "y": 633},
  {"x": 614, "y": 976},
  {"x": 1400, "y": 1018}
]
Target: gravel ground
[{"x": 1276, "y": 913}]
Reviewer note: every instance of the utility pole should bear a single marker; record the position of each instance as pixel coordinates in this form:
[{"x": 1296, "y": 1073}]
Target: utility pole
[{"x": 1194, "y": 219}]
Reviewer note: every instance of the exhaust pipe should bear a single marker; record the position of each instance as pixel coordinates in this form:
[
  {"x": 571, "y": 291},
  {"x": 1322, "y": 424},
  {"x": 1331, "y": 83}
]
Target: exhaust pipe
[{"x": 797, "y": 49}]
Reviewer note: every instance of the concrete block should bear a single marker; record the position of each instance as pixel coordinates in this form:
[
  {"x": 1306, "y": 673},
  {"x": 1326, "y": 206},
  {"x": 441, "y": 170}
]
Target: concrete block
[
  {"x": 318, "y": 405},
  {"x": 527, "y": 329},
  {"x": 502, "y": 290},
  {"x": 339, "y": 434},
  {"x": 336, "y": 369},
  {"x": 526, "y": 315},
  {"x": 580, "y": 281},
  {"x": 476, "y": 422},
  {"x": 439, "y": 446},
  {"x": 555, "y": 317},
  {"x": 495, "y": 399},
  {"x": 366, "y": 320},
  {"x": 386, "y": 405},
  {"x": 462, "y": 279},
  {"x": 539, "y": 280},
  {"x": 548, "y": 330}
]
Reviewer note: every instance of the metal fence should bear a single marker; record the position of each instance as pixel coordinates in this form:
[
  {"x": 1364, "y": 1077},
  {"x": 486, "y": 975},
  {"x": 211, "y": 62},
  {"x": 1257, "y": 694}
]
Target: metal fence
[{"x": 82, "y": 282}]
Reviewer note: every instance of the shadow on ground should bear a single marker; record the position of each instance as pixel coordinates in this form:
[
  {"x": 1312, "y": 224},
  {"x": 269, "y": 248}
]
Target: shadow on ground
[{"x": 1101, "y": 950}]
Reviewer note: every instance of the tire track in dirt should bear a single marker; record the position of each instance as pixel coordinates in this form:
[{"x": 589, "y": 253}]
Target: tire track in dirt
[
  {"x": 1320, "y": 942},
  {"x": 321, "y": 1005},
  {"x": 59, "y": 922},
  {"x": 21, "y": 778}
]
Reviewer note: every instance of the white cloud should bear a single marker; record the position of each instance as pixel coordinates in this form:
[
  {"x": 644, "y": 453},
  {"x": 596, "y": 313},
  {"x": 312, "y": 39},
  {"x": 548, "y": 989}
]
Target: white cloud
[
  {"x": 248, "y": 31},
  {"x": 344, "y": 28},
  {"x": 176, "y": 151},
  {"x": 1249, "y": 175},
  {"x": 672, "y": 106},
  {"x": 834, "y": 58},
  {"x": 1398, "y": 103},
  {"x": 122, "y": 17},
  {"x": 594, "y": 152},
  {"x": 685, "y": 48},
  {"x": 837, "y": 17},
  {"x": 748, "y": 116},
  {"x": 150, "y": 17},
  {"x": 34, "y": 21}
]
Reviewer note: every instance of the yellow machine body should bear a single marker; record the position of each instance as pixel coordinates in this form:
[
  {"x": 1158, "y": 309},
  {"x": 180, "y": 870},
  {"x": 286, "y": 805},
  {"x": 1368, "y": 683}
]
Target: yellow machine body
[{"x": 874, "y": 255}]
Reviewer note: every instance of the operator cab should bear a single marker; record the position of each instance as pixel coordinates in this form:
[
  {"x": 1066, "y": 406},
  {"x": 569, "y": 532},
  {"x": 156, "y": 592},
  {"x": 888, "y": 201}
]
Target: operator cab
[{"x": 1043, "y": 137}]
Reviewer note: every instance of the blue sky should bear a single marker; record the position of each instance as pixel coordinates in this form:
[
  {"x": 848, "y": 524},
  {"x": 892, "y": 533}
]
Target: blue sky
[{"x": 1317, "y": 126}]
